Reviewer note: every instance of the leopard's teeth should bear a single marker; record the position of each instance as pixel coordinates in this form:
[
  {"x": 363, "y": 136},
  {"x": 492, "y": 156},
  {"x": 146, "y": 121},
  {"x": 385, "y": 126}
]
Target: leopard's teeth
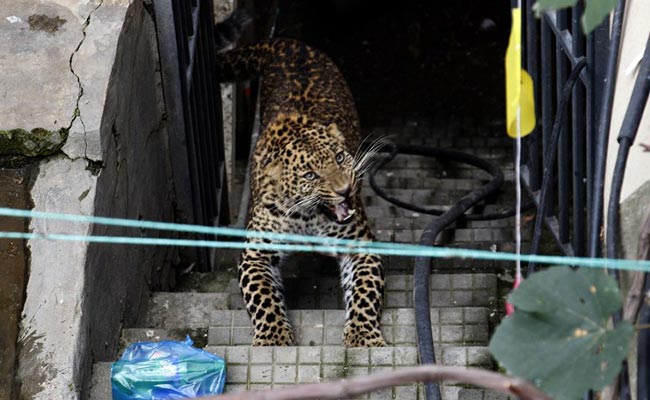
[{"x": 352, "y": 212}]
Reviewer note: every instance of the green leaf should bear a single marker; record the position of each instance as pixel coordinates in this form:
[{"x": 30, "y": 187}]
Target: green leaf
[
  {"x": 544, "y": 5},
  {"x": 595, "y": 12},
  {"x": 559, "y": 337}
]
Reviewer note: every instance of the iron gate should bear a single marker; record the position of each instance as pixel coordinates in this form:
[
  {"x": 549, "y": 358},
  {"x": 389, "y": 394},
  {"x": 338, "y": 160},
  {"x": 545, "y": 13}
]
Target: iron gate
[
  {"x": 193, "y": 103},
  {"x": 554, "y": 47}
]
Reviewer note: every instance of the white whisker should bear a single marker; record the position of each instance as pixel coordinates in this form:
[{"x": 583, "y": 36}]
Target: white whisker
[{"x": 364, "y": 161}]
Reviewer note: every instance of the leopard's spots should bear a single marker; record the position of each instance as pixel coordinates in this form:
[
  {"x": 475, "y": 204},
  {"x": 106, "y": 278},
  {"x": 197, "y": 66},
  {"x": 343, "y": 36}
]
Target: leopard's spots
[{"x": 305, "y": 179}]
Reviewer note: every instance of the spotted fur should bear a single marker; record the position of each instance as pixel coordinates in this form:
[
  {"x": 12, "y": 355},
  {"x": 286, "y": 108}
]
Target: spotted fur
[{"x": 305, "y": 176}]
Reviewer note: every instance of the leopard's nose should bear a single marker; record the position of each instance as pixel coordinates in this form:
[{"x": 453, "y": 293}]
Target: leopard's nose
[{"x": 344, "y": 191}]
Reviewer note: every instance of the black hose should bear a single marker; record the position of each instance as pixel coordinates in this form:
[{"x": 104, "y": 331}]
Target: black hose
[
  {"x": 422, "y": 272},
  {"x": 445, "y": 155},
  {"x": 595, "y": 220},
  {"x": 626, "y": 137},
  {"x": 643, "y": 349},
  {"x": 550, "y": 157}
]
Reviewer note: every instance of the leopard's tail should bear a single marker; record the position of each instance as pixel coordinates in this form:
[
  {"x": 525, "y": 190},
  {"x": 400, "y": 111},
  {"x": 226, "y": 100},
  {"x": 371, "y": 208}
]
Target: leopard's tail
[
  {"x": 239, "y": 63},
  {"x": 228, "y": 31}
]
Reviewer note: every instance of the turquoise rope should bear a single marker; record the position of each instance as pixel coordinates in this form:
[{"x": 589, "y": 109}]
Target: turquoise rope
[{"x": 320, "y": 244}]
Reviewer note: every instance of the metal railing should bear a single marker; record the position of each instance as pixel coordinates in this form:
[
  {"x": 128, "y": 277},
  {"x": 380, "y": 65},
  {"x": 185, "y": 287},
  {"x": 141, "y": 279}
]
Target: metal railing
[
  {"x": 193, "y": 104},
  {"x": 554, "y": 47}
]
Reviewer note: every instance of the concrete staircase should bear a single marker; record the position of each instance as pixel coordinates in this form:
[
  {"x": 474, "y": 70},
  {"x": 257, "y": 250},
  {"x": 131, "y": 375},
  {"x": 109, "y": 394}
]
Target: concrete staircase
[{"x": 464, "y": 293}]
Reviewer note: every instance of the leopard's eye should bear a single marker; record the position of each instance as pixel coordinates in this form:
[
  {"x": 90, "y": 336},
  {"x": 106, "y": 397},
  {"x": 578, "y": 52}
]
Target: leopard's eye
[
  {"x": 310, "y": 175},
  {"x": 339, "y": 157}
]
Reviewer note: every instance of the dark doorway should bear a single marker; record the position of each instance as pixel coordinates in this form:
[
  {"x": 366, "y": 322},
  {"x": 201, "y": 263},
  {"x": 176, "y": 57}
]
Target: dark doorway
[{"x": 421, "y": 57}]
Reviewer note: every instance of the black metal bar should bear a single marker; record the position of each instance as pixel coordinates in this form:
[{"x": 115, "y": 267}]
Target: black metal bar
[
  {"x": 172, "y": 92},
  {"x": 564, "y": 144},
  {"x": 626, "y": 137},
  {"x": 578, "y": 147},
  {"x": 565, "y": 40},
  {"x": 549, "y": 158},
  {"x": 198, "y": 154},
  {"x": 547, "y": 100},
  {"x": 532, "y": 67},
  {"x": 600, "y": 151}
]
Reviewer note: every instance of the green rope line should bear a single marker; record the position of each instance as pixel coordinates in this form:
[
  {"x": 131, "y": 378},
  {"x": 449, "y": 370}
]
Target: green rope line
[{"x": 319, "y": 244}]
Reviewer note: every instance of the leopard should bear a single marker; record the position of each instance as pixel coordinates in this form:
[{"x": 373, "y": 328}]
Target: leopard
[{"x": 305, "y": 178}]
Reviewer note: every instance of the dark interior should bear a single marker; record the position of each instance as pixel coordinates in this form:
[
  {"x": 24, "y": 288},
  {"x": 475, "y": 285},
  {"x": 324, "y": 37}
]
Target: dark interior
[{"x": 421, "y": 58}]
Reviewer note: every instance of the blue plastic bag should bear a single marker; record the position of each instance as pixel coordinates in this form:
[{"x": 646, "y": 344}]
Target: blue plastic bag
[{"x": 166, "y": 370}]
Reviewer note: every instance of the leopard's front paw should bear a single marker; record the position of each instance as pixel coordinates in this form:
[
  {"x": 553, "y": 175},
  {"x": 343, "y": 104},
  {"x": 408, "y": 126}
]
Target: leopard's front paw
[
  {"x": 280, "y": 337},
  {"x": 355, "y": 336}
]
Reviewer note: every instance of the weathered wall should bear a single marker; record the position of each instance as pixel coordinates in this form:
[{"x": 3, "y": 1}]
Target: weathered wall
[
  {"x": 13, "y": 274},
  {"x": 56, "y": 59},
  {"x": 135, "y": 183},
  {"x": 635, "y": 195}
]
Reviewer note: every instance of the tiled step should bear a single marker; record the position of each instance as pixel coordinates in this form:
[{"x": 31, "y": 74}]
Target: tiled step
[
  {"x": 183, "y": 309},
  {"x": 450, "y": 325},
  {"x": 254, "y": 368},
  {"x": 447, "y": 290},
  {"x": 317, "y": 286},
  {"x": 258, "y": 368},
  {"x": 392, "y": 181},
  {"x": 481, "y": 394},
  {"x": 386, "y": 209}
]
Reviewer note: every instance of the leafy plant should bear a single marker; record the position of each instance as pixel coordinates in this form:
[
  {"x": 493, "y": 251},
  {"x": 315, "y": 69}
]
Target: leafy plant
[
  {"x": 559, "y": 337},
  {"x": 595, "y": 10}
]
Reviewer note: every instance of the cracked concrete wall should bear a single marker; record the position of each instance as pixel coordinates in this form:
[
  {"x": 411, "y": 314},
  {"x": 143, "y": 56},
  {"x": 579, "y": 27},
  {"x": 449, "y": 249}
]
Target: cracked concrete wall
[{"x": 56, "y": 59}]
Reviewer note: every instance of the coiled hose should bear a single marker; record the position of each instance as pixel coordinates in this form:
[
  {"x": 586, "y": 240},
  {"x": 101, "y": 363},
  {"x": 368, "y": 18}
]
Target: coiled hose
[{"x": 422, "y": 272}]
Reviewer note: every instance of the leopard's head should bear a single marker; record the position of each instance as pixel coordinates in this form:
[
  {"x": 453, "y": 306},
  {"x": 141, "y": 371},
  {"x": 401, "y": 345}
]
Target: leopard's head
[{"x": 316, "y": 170}]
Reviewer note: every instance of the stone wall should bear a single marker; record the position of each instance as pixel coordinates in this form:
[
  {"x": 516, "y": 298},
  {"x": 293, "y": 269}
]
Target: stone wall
[{"x": 90, "y": 72}]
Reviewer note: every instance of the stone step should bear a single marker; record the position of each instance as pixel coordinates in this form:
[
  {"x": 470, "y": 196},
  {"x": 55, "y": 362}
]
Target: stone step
[
  {"x": 258, "y": 368},
  {"x": 481, "y": 394},
  {"x": 447, "y": 290},
  {"x": 183, "y": 309},
  {"x": 383, "y": 208},
  {"x": 450, "y": 325},
  {"x": 317, "y": 286},
  {"x": 394, "y": 180}
]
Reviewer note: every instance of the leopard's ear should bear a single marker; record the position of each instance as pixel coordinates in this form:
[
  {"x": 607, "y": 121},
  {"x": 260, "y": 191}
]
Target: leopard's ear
[
  {"x": 350, "y": 141},
  {"x": 334, "y": 130},
  {"x": 269, "y": 164}
]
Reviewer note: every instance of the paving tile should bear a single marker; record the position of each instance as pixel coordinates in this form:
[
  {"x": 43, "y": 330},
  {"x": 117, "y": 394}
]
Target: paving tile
[
  {"x": 332, "y": 372},
  {"x": 381, "y": 356},
  {"x": 261, "y": 373},
  {"x": 308, "y": 373},
  {"x": 284, "y": 373},
  {"x": 454, "y": 356},
  {"x": 286, "y": 355},
  {"x": 383, "y": 395},
  {"x": 451, "y": 315},
  {"x": 470, "y": 394},
  {"x": 261, "y": 355},
  {"x": 237, "y": 355},
  {"x": 406, "y": 356},
  {"x": 406, "y": 392},
  {"x": 309, "y": 355},
  {"x": 333, "y": 355},
  {"x": 237, "y": 374},
  {"x": 358, "y": 356},
  {"x": 479, "y": 357}
]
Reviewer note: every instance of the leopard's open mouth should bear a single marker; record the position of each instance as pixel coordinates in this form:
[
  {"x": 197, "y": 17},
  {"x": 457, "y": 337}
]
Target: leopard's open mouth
[{"x": 339, "y": 213}]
